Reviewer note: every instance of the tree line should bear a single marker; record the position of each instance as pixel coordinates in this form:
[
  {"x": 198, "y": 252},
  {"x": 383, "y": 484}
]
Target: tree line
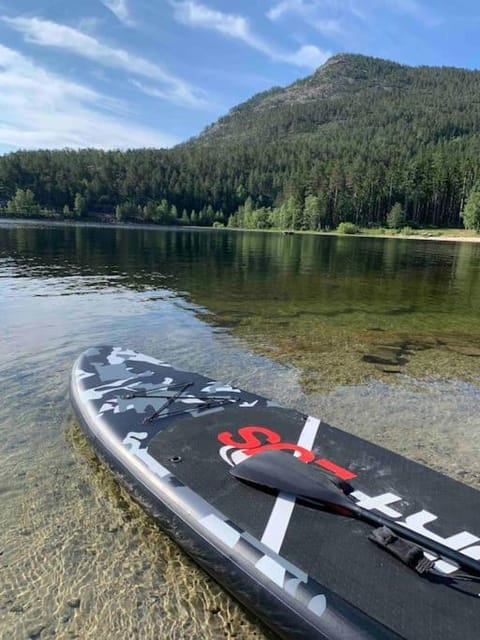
[{"x": 383, "y": 135}]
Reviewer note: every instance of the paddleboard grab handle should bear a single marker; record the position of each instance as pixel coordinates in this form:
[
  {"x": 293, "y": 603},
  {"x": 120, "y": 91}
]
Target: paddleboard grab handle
[{"x": 281, "y": 471}]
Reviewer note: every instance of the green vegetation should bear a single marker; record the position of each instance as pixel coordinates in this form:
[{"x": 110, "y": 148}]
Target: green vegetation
[
  {"x": 346, "y": 144},
  {"x": 348, "y": 228},
  {"x": 79, "y": 205},
  {"x": 471, "y": 211},
  {"x": 395, "y": 217},
  {"x": 23, "y": 202}
]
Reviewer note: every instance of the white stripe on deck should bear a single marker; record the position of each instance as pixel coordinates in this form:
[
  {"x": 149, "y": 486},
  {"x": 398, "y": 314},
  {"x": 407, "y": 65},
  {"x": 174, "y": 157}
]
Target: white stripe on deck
[{"x": 279, "y": 519}]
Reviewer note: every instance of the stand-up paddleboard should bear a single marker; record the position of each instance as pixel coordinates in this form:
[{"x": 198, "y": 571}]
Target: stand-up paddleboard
[{"x": 307, "y": 571}]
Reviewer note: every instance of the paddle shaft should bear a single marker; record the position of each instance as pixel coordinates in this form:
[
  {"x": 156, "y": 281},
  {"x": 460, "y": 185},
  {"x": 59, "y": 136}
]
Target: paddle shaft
[
  {"x": 465, "y": 562},
  {"x": 283, "y": 472}
]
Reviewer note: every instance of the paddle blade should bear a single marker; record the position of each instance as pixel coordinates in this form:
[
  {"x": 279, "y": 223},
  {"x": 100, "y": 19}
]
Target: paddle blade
[{"x": 275, "y": 469}]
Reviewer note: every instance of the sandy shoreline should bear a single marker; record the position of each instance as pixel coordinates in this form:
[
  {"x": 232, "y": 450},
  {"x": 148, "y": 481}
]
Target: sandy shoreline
[
  {"x": 422, "y": 235},
  {"x": 415, "y": 237}
]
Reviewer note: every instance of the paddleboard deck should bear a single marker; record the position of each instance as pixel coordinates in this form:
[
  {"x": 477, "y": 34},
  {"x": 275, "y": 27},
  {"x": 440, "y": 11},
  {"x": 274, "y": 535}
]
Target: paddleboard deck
[{"x": 171, "y": 436}]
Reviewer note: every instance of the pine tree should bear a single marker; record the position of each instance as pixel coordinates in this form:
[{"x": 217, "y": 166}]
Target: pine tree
[
  {"x": 23, "y": 202},
  {"x": 311, "y": 212},
  {"x": 395, "y": 217},
  {"x": 209, "y": 215},
  {"x": 162, "y": 212},
  {"x": 471, "y": 211},
  {"x": 79, "y": 205},
  {"x": 149, "y": 211},
  {"x": 247, "y": 214}
]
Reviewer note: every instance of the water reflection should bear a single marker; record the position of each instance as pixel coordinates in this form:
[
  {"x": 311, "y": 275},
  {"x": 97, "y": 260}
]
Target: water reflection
[
  {"x": 335, "y": 304},
  {"x": 381, "y": 273}
]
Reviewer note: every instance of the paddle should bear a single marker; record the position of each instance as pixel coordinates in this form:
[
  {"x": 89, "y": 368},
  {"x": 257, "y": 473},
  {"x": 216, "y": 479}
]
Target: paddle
[{"x": 275, "y": 469}]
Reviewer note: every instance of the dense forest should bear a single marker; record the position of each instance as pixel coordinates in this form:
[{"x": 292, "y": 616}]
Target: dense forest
[{"x": 356, "y": 139}]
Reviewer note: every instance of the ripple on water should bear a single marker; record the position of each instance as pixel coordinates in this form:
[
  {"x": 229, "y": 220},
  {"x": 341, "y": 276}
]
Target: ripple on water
[{"x": 78, "y": 558}]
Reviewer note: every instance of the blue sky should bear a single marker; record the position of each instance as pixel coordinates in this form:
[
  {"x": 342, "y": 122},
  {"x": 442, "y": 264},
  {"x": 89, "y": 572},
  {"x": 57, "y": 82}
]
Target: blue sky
[{"x": 136, "y": 73}]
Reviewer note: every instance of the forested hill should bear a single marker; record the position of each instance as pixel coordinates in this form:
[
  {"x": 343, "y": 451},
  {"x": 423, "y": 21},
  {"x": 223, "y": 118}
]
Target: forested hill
[
  {"x": 344, "y": 144},
  {"x": 369, "y": 96}
]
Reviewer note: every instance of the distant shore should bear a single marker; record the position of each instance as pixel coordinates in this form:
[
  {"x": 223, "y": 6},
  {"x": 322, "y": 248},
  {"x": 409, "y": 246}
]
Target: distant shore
[
  {"x": 423, "y": 234},
  {"x": 442, "y": 235},
  {"x": 445, "y": 238}
]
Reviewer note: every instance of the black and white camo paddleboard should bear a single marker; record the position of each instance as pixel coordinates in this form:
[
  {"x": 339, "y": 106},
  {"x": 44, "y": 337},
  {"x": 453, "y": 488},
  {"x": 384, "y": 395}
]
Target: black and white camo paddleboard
[{"x": 172, "y": 437}]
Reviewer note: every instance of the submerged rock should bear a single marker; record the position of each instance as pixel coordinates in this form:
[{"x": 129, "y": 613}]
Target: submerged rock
[{"x": 74, "y": 603}]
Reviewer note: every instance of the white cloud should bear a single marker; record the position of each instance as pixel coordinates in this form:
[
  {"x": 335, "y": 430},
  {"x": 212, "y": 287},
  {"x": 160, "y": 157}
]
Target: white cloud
[
  {"x": 307, "y": 56},
  {"x": 319, "y": 13},
  {"x": 53, "y": 34},
  {"x": 323, "y": 15},
  {"x": 287, "y": 6},
  {"x": 179, "y": 96},
  {"x": 39, "y": 109},
  {"x": 198, "y": 15},
  {"x": 159, "y": 93},
  {"x": 307, "y": 9},
  {"x": 329, "y": 27},
  {"x": 194, "y": 14},
  {"x": 89, "y": 24},
  {"x": 120, "y": 9}
]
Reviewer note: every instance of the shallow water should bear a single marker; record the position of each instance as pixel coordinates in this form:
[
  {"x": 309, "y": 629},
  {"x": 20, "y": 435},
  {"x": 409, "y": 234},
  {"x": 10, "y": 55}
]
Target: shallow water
[{"x": 292, "y": 318}]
